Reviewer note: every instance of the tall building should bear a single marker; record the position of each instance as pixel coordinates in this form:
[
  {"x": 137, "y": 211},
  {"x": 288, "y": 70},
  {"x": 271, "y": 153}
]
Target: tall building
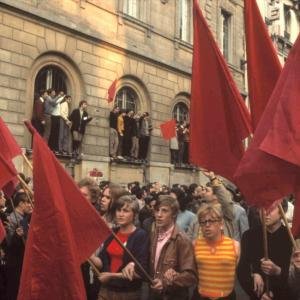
[{"x": 82, "y": 46}]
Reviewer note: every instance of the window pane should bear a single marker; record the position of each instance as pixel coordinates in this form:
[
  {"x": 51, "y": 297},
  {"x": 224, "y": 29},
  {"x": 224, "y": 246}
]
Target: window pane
[
  {"x": 181, "y": 112},
  {"x": 51, "y": 77},
  {"x": 131, "y": 8},
  {"x": 126, "y": 99},
  {"x": 225, "y": 17},
  {"x": 184, "y": 25}
]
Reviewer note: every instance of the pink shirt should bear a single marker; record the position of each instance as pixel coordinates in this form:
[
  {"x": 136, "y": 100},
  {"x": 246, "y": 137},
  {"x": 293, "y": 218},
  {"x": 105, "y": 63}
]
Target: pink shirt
[{"x": 161, "y": 241}]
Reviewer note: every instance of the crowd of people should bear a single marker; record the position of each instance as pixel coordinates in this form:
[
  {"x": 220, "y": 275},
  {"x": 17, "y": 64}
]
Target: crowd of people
[
  {"x": 188, "y": 242},
  {"x": 61, "y": 129},
  {"x": 129, "y": 135}
]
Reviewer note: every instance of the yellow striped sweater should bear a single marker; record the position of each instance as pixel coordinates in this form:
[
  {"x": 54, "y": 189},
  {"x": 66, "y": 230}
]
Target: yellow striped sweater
[{"x": 216, "y": 267}]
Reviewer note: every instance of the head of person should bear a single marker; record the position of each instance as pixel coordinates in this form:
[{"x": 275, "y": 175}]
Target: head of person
[
  {"x": 210, "y": 219},
  {"x": 208, "y": 194},
  {"x": 2, "y": 200},
  {"x": 105, "y": 201},
  {"x": 22, "y": 203},
  {"x": 89, "y": 189},
  {"x": 116, "y": 109},
  {"x": 273, "y": 216},
  {"x": 68, "y": 99},
  {"x": 178, "y": 194},
  {"x": 83, "y": 104},
  {"x": 126, "y": 210},
  {"x": 166, "y": 210},
  {"x": 150, "y": 203},
  {"x": 51, "y": 92},
  {"x": 43, "y": 94}
]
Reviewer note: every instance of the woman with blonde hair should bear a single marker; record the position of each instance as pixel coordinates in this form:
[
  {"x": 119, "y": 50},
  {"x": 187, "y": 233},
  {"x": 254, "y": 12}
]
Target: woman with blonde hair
[{"x": 216, "y": 256}]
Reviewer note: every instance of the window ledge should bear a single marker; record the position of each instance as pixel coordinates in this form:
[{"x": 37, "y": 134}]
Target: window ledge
[
  {"x": 135, "y": 21},
  {"x": 183, "y": 44}
]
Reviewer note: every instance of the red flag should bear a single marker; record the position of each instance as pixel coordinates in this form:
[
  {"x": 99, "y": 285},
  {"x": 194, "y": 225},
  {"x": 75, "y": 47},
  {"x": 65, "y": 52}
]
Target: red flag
[
  {"x": 263, "y": 64},
  {"x": 168, "y": 129},
  {"x": 112, "y": 91},
  {"x": 8, "y": 172},
  {"x": 2, "y": 232},
  {"x": 64, "y": 231},
  {"x": 262, "y": 177},
  {"x": 8, "y": 145},
  {"x": 219, "y": 118}
]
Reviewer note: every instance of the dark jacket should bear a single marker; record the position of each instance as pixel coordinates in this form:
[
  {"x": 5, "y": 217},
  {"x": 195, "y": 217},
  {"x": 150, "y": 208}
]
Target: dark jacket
[
  {"x": 79, "y": 124},
  {"x": 138, "y": 244},
  {"x": 177, "y": 254},
  {"x": 279, "y": 248}
]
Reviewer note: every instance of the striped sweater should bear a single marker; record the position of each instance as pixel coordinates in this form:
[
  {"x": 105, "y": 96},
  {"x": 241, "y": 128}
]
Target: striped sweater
[{"x": 216, "y": 267}]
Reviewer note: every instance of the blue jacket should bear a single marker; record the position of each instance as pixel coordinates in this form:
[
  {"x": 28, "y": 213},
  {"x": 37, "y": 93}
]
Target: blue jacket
[{"x": 138, "y": 244}]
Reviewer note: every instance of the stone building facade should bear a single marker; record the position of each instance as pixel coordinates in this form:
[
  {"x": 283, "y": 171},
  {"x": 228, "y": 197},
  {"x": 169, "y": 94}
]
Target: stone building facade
[{"x": 84, "y": 45}]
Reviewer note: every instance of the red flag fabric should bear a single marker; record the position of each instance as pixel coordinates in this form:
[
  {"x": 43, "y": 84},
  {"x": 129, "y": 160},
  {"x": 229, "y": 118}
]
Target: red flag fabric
[
  {"x": 112, "y": 91},
  {"x": 64, "y": 231},
  {"x": 263, "y": 64},
  {"x": 8, "y": 145},
  {"x": 219, "y": 118},
  {"x": 8, "y": 172},
  {"x": 2, "y": 232},
  {"x": 168, "y": 129},
  {"x": 267, "y": 171}
]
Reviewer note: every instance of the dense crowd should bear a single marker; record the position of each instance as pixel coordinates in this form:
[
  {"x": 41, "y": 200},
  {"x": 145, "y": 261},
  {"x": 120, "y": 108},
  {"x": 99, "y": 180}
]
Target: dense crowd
[{"x": 189, "y": 242}]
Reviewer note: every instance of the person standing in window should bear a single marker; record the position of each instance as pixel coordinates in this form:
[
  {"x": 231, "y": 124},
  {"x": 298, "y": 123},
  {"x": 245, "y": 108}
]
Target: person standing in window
[
  {"x": 38, "y": 114},
  {"x": 113, "y": 134},
  {"x": 51, "y": 100},
  {"x": 145, "y": 131},
  {"x": 64, "y": 126},
  {"x": 134, "y": 152},
  {"x": 120, "y": 128},
  {"x": 128, "y": 128},
  {"x": 55, "y": 121},
  {"x": 79, "y": 118}
]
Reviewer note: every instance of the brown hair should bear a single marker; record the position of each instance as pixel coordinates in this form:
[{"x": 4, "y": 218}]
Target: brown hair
[{"x": 168, "y": 200}]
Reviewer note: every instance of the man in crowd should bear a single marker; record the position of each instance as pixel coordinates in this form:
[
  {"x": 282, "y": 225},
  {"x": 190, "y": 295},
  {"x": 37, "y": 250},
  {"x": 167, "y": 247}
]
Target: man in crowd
[
  {"x": 79, "y": 118},
  {"x": 113, "y": 133},
  {"x": 172, "y": 262},
  {"x": 253, "y": 267},
  {"x": 17, "y": 230}
]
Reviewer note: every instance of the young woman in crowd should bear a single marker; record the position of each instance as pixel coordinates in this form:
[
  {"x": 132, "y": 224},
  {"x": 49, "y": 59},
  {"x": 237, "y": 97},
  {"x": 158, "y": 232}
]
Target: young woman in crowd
[{"x": 119, "y": 280}]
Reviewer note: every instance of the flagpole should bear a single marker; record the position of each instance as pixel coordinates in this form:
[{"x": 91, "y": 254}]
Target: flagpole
[
  {"x": 27, "y": 161},
  {"x": 265, "y": 244},
  {"x": 98, "y": 273},
  {"x": 133, "y": 258},
  {"x": 287, "y": 226}
]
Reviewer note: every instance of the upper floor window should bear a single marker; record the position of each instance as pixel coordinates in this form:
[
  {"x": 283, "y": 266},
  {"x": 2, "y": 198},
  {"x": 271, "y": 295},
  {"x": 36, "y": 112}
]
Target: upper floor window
[
  {"x": 225, "y": 34},
  {"x": 131, "y": 8},
  {"x": 287, "y": 22},
  {"x": 181, "y": 112},
  {"x": 51, "y": 77},
  {"x": 127, "y": 98},
  {"x": 185, "y": 19}
]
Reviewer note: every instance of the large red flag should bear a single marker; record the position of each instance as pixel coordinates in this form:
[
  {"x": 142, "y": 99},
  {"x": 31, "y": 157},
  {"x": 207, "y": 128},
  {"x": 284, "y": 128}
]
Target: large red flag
[
  {"x": 282, "y": 137},
  {"x": 168, "y": 129},
  {"x": 8, "y": 145},
  {"x": 112, "y": 91},
  {"x": 263, "y": 64},
  {"x": 64, "y": 231},
  {"x": 218, "y": 116},
  {"x": 8, "y": 172},
  {"x": 262, "y": 177}
]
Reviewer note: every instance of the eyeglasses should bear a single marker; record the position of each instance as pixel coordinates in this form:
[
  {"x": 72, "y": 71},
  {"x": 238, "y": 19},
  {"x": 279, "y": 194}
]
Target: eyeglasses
[{"x": 208, "y": 222}]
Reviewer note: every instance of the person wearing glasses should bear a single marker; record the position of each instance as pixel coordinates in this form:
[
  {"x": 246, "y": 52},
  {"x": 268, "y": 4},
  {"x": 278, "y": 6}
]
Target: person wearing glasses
[{"x": 216, "y": 256}]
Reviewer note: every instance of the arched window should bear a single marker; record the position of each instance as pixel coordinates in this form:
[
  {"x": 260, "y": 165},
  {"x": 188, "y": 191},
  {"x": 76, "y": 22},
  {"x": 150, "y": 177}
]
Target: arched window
[
  {"x": 51, "y": 76},
  {"x": 127, "y": 98},
  {"x": 181, "y": 112}
]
